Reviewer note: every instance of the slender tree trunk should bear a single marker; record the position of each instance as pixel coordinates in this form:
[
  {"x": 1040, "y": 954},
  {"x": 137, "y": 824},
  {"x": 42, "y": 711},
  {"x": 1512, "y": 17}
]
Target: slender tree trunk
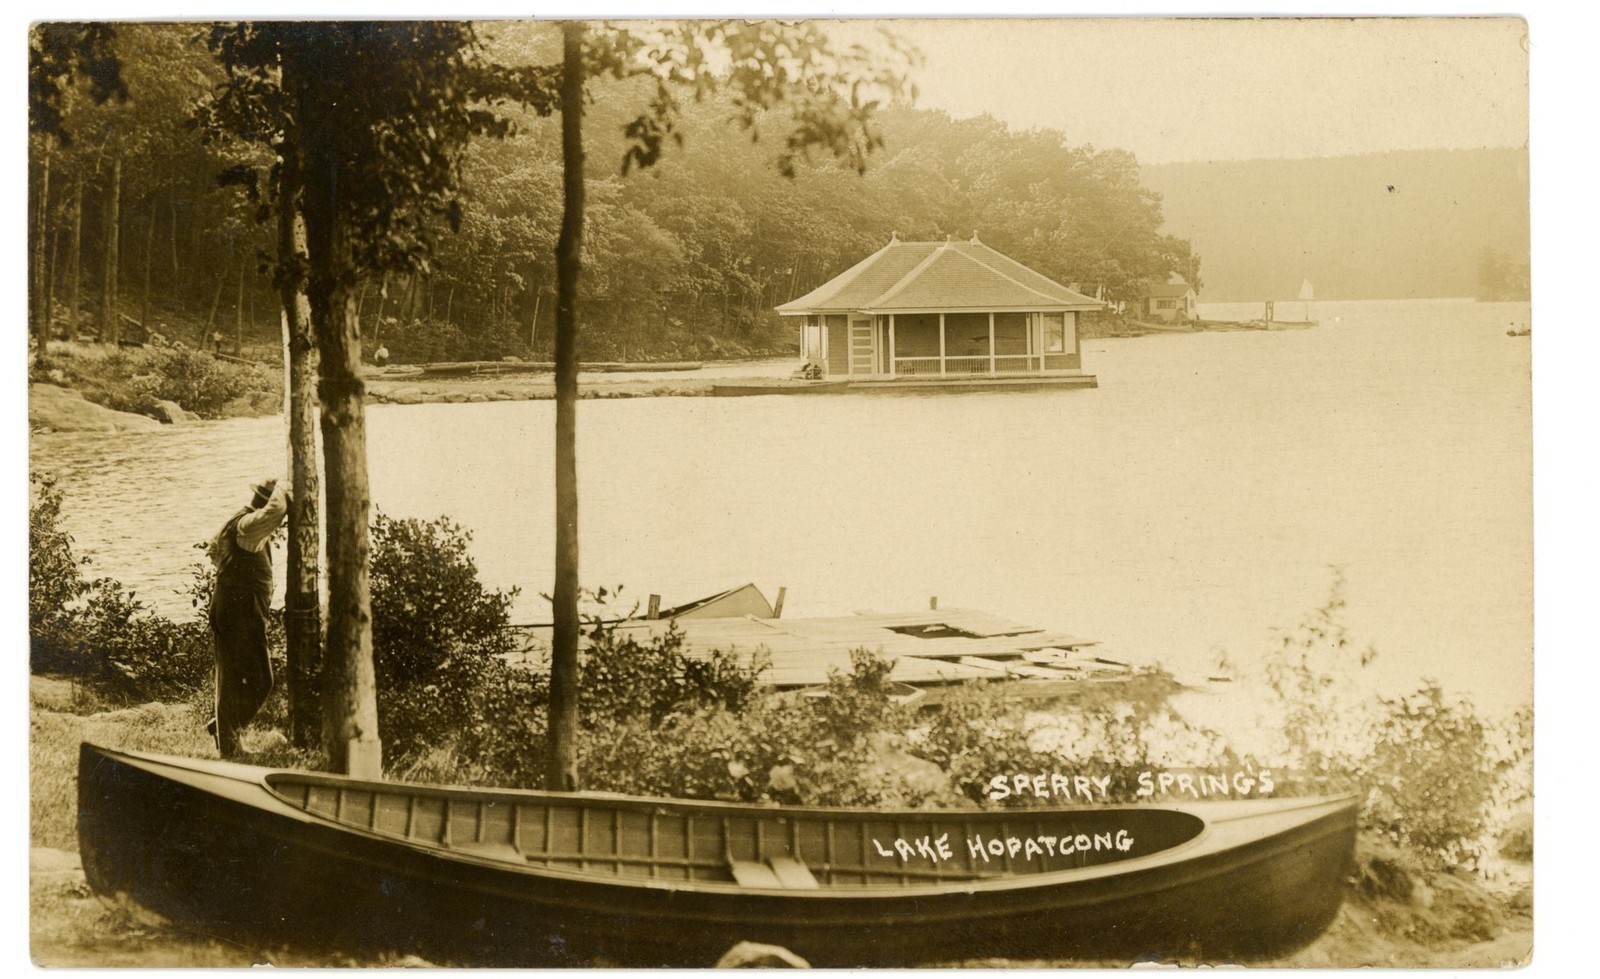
[
  {"x": 533, "y": 321},
  {"x": 211, "y": 317},
  {"x": 302, "y": 598},
  {"x": 238, "y": 314},
  {"x": 561, "y": 763},
  {"x": 149, "y": 256},
  {"x": 38, "y": 279},
  {"x": 110, "y": 323},
  {"x": 383, "y": 297},
  {"x": 75, "y": 293},
  {"x": 53, "y": 271},
  {"x": 172, "y": 209},
  {"x": 349, "y": 686}
]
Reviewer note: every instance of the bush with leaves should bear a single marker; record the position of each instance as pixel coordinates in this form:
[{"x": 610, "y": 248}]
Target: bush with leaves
[
  {"x": 1111, "y": 732},
  {"x": 55, "y": 580},
  {"x": 621, "y": 675},
  {"x": 135, "y": 379},
  {"x": 200, "y": 382},
  {"x": 1432, "y": 768},
  {"x": 438, "y": 636},
  {"x": 1432, "y": 777},
  {"x": 94, "y": 630},
  {"x": 836, "y": 747},
  {"x": 428, "y": 605}
]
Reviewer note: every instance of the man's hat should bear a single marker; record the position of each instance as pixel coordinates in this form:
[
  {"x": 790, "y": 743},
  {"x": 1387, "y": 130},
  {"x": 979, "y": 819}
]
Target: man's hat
[{"x": 262, "y": 489}]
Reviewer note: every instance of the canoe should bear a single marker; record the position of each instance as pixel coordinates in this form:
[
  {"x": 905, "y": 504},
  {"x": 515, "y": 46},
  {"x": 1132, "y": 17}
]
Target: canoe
[{"x": 520, "y": 878}]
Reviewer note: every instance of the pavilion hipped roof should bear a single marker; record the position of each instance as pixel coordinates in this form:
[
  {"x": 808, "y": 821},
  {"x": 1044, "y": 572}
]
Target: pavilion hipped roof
[{"x": 906, "y": 276}]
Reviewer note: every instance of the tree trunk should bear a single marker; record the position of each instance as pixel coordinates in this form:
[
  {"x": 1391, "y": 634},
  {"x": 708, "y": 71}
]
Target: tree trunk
[
  {"x": 38, "y": 279},
  {"x": 172, "y": 209},
  {"x": 110, "y": 322},
  {"x": 302, "y": 598},
  {"x": 561, "y": 762},
  {"x": 238, "y": 314},
  {"x": 349, "y": 692},
  {"x": 75, "y": 293},
  {"x": 383, "y": 297},
  {"x": 51, "y": 275},
  {"x": 211, "y": 317},
  {"x": 149, "y": 255}
]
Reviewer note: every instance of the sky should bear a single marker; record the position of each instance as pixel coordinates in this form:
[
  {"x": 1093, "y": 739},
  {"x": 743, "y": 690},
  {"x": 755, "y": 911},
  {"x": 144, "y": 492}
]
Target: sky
[{"x": 1215, "y": 89}]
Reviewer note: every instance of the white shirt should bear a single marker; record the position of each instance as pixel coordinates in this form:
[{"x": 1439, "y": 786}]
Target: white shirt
[{"x": 255, "y": 527}]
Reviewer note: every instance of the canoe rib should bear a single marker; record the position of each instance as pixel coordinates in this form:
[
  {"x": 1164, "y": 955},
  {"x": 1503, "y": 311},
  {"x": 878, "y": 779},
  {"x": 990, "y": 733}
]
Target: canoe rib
[{"x": 527, "y": 878}]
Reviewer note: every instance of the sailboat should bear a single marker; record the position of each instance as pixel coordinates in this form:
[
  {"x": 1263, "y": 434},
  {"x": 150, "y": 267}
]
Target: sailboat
[{"x": 1306, "y": 296}]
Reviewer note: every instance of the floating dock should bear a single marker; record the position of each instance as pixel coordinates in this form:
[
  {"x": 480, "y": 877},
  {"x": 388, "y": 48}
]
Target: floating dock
[{"x": 931, "y": 649}]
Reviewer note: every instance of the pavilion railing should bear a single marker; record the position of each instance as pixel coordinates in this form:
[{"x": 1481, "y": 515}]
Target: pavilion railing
[{"x": 965, "y": 366}]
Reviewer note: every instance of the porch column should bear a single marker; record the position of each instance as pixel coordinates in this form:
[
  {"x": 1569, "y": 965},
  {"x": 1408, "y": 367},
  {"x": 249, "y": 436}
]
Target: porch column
[
  {"x": 891, "y": 345},
  {"x": 941, "y": 344},
  {"x": 991, "y": 343}
]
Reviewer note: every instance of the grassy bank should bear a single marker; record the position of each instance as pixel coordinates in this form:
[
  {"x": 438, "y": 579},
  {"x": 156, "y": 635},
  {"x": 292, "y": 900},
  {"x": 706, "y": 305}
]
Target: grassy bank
[
  {"x": 140, "y": 379},
  {"x": 1396, "y": 914}
]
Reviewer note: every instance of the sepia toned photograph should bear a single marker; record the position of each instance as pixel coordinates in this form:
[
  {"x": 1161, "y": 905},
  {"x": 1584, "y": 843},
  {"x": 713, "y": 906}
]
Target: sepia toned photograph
[{"x": 907, "y": 492}]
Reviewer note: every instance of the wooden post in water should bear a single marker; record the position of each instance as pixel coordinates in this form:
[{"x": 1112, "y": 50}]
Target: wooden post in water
[
  {"x": 777, "y": 607},
  {"x": 654, "y": 611},
  {"x": 933, "y": 603}
]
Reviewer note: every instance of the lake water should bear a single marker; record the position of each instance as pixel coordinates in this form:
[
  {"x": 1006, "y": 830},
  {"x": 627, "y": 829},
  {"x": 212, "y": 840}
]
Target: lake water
[{"x": 1200, "y": 497}]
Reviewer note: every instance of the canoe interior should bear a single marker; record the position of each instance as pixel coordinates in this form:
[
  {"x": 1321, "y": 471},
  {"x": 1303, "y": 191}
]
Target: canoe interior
[{"x": 786, "y": 849}]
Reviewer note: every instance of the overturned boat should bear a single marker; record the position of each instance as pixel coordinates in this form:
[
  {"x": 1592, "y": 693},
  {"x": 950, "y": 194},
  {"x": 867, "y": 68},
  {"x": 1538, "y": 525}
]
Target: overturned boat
[{"x": 521, "y": 878}]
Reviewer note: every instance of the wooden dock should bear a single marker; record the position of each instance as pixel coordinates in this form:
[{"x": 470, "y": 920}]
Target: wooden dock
[{"x": 931, "y": 648}]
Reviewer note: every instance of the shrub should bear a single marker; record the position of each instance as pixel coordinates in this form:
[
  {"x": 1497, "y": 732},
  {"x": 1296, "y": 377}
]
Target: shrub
[
  {"x": 1110, "y": 732},
  {"x": 621, "y": 676},
  {"x": 55, "y": 579},
  {"x": 134, "y": 380},
  {"x": 437, "y": 635},
  {"x": 199, "y": 382},
  {"x": 1431, "y": 767},
  {"x": 1431, "y": 777},
  {"x": 825, "y": 750},
  {"x": 137, "y": 656},
  {"x": 428, "y": 605}
]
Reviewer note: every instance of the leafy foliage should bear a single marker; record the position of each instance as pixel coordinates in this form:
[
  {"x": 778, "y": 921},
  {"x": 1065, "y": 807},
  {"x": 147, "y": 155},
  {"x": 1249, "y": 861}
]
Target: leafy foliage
[
  {"x": 622, "y": 676},
  {"x": 95, "y": 631},
  {"x": 59, "y": 53},
  {"x": 428, "y": 606},
  {"x": 1432, "y": 776},
  {"x": 135, "y": 379},
  {"x": 1437, "y": 774},
  {"x": 55, "y": 578}
]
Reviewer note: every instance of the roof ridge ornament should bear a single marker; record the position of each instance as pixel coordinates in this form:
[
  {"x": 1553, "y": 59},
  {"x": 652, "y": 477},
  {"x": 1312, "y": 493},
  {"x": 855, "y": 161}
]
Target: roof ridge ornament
[
  {"x": 894, "y": 237},
  {"x": 975, "y": 240},
  {"x": 947, "y": 241}
]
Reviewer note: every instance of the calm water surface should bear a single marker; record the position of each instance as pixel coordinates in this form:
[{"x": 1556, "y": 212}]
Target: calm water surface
[{"x": 1200, "y": 497}]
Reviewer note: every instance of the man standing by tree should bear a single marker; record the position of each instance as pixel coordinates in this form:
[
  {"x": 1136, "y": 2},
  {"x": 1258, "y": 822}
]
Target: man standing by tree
[{"x": 242, "y": 556}]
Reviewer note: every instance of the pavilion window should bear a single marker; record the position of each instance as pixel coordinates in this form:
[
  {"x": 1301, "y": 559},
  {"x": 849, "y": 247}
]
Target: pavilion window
[{"x": 1055, "y": 332}]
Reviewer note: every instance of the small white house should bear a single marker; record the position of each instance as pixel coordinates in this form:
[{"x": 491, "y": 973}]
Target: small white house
[{"x": 1171, "y": 301}]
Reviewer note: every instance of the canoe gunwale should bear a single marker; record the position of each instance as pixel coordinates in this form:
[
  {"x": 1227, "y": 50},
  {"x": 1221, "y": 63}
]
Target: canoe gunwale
[
  {"x": 156, "y": 828},
  {"x": 278, "y": 804}
]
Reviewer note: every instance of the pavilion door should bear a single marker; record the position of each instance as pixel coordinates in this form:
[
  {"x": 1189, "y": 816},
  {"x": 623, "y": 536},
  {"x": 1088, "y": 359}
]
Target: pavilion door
[{"x": 862, "y": 353}]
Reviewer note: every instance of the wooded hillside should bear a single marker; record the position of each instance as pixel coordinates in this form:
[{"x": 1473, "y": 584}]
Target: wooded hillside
[
  {"x": 133, "y": 234},
  {"x": 1402, "y": 225}
]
